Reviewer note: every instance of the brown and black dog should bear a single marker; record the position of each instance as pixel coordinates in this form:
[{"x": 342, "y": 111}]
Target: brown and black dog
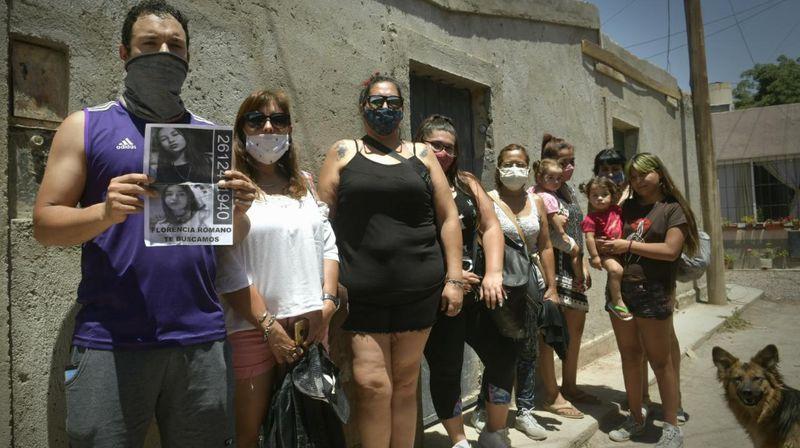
[{"x": 768, "y": 409}]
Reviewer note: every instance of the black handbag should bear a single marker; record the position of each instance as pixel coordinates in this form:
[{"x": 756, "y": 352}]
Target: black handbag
[{"x": 519, "y": 282}]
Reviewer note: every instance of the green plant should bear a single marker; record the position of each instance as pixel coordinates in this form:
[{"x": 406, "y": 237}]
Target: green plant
[
  {"x": 781, "y": 253},
  {"x": 767, "y": 252},
  {"x": 748, "y": 219},
  {"x": 734, "y": 322},
  {"x": 729, "y": 258}
]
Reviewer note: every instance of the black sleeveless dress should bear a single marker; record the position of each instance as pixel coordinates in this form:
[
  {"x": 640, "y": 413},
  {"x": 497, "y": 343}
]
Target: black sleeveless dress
[{"x": 390, "y": 259}]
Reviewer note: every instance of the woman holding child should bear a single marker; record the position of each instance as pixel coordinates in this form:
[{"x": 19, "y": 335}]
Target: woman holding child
[
  {"x": 572, "y": 280},
  {"x": 657, "y": 226}
]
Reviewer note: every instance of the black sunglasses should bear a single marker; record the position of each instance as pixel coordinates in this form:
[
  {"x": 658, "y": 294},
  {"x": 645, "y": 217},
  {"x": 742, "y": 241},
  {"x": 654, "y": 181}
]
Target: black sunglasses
[
  {"x": 257, "y": 119},
  {"x": 440, "y": 146},
  {"x": 377, "y": 101}
]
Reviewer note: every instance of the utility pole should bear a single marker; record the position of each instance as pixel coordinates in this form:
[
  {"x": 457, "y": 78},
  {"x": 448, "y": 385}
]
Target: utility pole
[{"x": 709, "y": 188}]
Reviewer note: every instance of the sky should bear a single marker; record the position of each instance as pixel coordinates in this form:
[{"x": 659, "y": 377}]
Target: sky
[{"x": 769, "y": 27}]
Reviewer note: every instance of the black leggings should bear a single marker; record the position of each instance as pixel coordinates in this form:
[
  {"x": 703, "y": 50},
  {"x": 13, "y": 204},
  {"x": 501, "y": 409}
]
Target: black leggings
[{"x": 445, "y": 355}]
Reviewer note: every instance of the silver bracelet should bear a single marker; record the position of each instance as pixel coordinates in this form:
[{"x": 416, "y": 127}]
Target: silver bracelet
[{"x": 459, "y": 283}]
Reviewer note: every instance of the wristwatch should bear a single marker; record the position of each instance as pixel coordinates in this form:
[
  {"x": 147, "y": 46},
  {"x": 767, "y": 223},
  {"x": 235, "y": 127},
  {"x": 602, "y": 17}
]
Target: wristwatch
[{"x": 336, "y": 301}]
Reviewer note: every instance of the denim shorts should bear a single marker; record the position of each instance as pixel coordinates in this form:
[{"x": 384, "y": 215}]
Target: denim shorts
[{"x": 649, "y": 300}]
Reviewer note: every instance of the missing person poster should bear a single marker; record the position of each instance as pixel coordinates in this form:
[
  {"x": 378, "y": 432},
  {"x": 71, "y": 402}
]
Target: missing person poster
[{"x": 186, "y": 162}]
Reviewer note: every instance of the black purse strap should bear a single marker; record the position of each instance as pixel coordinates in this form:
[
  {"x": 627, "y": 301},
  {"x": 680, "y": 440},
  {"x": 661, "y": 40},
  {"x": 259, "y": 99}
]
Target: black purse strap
[
  {"x": 513, "y": 218},
  {"x": 419, "y": 168}
]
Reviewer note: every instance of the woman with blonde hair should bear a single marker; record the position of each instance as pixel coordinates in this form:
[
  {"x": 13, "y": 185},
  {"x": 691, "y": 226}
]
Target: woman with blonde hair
[{"x": 658, "y": 226}]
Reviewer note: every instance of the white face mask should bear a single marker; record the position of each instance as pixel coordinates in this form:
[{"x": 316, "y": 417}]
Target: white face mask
[
  {"x": 514, "y": 177},
  {"x": 267, "y": 148}
]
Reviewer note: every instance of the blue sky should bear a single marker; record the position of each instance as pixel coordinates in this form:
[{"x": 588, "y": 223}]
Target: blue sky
[{"x": 770, "y": 28}]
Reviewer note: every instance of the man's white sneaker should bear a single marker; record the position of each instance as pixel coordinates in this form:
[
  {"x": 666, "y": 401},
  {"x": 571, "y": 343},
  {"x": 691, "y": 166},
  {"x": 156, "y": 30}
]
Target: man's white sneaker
[
  {"x": 497, "y": 439},
  {"x": 478, "y": 419},
  {"x": 671, "y": 437},
  {"x": 526, "y": 423}
]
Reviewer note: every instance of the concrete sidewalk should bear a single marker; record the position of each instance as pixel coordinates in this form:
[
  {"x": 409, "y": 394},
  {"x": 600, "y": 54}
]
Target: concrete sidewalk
[{"x": 603, "y": 378}]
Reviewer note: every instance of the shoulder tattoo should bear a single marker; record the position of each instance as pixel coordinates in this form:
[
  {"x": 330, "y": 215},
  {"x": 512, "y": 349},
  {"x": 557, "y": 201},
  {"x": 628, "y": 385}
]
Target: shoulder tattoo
[
  {"x": 341, "y": 151},
  {"x": 424, "y": 152}
]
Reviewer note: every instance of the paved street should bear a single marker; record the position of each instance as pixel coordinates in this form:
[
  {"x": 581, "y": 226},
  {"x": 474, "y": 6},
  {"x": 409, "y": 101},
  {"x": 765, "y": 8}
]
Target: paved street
[{"x": 774, "y": 319}]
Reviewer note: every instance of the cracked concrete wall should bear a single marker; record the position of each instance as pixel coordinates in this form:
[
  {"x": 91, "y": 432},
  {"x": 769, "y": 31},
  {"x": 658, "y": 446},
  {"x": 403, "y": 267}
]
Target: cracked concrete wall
[
  {"x": 535, "y": 74},
  {"x": 5, "y": 360}
]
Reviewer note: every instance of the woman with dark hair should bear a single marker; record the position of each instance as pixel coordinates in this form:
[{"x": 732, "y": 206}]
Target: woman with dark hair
[
  {"x": 444, "y": 350},
  {"x": 522, "y": 218},
  {"x": 180, "y": 208},
  {"x": 610, "y": 163},
  {"x": 391, "y": 207},
  {"x": 289, "y": 255},
  {"x": 658, "y": 226},
  {"x": 178, "y": 160},
  {"x": 572, "y": 288}
]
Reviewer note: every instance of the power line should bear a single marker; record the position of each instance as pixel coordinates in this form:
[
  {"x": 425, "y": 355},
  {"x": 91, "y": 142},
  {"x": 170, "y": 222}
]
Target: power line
[
  {"x": 669, "y": 28},
  {"x": 778, "y": 47},
  {"x": 741, "y": 32},
  {"x": 683, "y": 31},
  {"x": 618, "y": 12},
  {"x": 722, "y": 29}
]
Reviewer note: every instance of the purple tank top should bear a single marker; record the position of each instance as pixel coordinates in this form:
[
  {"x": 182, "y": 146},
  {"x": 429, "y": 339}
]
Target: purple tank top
[{"x": 137, "y": 297}]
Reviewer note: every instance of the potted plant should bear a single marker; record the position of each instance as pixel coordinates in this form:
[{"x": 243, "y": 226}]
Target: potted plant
[
  {"x": 766, "y": 256},
  {"x": 729, "y": 259},
  {"x": 795, "y": 223},
  {"x": 787, "y": 222},
  {"x": 782, "y": 255},
  {"x": 727, "y": 225},
  {"x": 773, "y": 225},
  {"x": 748, "y": 221}
]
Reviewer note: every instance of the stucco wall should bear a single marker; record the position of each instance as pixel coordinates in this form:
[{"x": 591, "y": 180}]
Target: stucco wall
[
  {"x": 5, "y": 361},
  {"x": 320, "y": 52}
]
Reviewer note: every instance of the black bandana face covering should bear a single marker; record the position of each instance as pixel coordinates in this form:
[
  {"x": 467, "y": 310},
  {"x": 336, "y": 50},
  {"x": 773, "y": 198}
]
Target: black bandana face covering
[{"x": 153, "y": 86}]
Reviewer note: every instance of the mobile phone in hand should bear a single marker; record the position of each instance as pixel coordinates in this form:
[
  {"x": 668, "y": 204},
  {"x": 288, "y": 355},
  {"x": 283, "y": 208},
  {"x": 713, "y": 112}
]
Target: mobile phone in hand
[{"x": 300, "y": 331}]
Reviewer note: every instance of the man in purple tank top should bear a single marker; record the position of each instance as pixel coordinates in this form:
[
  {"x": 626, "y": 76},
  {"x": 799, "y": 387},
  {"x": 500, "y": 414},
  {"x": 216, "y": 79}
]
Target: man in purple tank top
[{"x": 149, "y": 339}]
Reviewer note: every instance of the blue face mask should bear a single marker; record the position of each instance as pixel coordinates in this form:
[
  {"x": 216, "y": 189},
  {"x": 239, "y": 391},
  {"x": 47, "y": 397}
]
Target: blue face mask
[
  {"x": 383, "y": 121},
  {"x": 617, "y": 177}
]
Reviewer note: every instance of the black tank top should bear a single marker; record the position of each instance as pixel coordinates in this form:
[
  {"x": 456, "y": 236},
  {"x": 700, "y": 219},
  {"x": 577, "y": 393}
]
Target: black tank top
[{"x": 386, "y": 232}]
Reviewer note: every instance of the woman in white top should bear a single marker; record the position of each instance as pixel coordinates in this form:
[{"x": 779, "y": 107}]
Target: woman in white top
[
  {"x": 289, "y": 254},
  {"x": 513, "y": 171}
]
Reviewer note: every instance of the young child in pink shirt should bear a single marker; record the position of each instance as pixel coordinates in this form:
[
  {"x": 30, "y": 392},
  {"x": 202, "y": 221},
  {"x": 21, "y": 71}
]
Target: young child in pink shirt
[
  {"x": 605, "y": 222},
  {"x": 548, "y": 174}
]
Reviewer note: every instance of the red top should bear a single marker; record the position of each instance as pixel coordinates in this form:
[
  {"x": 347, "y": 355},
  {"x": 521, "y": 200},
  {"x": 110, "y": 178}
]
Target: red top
[{"x": 607, "y": 224}]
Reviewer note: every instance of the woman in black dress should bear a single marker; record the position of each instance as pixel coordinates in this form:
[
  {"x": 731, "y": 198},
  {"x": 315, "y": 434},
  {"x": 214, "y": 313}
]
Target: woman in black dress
[{"x": 391, "y": 206}]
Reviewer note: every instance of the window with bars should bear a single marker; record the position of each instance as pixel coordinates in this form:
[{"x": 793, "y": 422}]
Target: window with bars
[
  {"x": 735, "y": 191},
  {"x": 773, "y": 197},
  {"x": 764, "y": 189}
]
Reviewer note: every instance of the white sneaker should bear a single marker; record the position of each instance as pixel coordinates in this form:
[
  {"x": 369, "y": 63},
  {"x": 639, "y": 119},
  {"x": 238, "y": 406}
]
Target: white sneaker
[
  {"x": 671, "y": 437},
  {"x": 463, "y": 444},
  {"x": 628, "y": 429},
  {"x": 497, "y": 439},
  {"x": 526, "y": 423},
  {"x": 478, "y": 419}
]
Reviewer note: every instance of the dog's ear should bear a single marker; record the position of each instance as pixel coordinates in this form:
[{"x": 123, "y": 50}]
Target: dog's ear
[
  {"x": 722, "y": 359},
  {"x": 767, "y": 357}
]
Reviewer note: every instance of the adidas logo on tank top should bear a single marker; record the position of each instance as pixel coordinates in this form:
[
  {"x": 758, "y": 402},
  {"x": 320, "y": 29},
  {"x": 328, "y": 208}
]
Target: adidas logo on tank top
[{"x": 126, "y": 143}]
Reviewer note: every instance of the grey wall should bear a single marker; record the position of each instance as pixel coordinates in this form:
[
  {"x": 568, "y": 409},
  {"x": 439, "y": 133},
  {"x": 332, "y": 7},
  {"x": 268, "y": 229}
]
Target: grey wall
[
  {"x": 320, "y": 51},
  {"x": 5, "y": 361}
]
